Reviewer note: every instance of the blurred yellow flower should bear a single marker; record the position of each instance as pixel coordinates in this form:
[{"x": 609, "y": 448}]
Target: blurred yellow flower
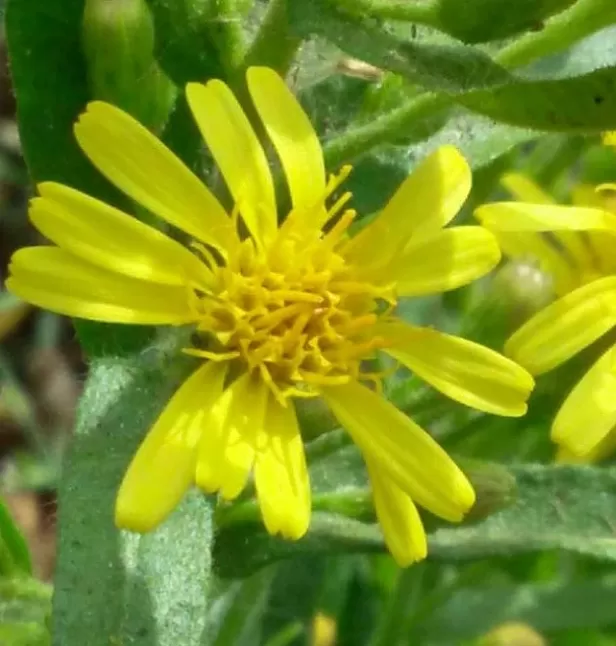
[
  {"x": 280, "y": 310},
  {"x": 576, "y": 246},
  {"x": 324, "y": 630},
  {"x": 512, "y": 633}
]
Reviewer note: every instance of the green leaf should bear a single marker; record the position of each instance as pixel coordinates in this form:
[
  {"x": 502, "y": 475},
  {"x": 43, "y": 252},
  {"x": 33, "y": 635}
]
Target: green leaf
[
  {"x": 24, "y": 634},
  {"x": 14, "y": 552},
  {"x": 450, "y": 67},
  {"x": 25, "y": 607},
  {"x": 50, "y": 77},
  {"x": 112, "y": 585},
  {"x": 561, "y": 605},
  {"x": 118, "y": 43},
  {"x": 478, "y": 21},
  {"x": 568, "y": 507},
  {"x": 244, "y": 604},
  {"x": 50, "y": 80},
  {"x": 572, "y": 91},
  {"x": 480, "y": 140},
  {"x": 183, "y": 45},
  {"x": 378, "y": 174},
  {"x": 572, "y": 508},
  {"x": 294, "y": 595}
]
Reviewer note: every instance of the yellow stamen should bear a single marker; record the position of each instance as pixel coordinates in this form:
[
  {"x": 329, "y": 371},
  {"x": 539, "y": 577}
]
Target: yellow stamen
[
  {"x": 294, "y": 311},
  {"x": 212, "y": 356}
]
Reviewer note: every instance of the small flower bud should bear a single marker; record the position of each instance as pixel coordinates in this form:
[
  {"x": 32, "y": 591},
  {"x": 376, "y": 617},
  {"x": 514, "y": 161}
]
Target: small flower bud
[
  {"x": 118, "y": 43},
  {"x": 514, "y": 293},
  {"x": 495, "y": 487},
  {"x": 523, "y": 289}
]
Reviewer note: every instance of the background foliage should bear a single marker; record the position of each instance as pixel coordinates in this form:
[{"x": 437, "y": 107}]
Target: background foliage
[{"x": 525, "y": 85}]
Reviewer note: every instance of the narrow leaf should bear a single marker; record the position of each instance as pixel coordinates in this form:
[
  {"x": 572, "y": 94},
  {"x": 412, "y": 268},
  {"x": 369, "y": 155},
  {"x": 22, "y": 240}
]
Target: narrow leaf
[
  {"x": 571, "y": 508},
  {"x": 14, "y": 552}
]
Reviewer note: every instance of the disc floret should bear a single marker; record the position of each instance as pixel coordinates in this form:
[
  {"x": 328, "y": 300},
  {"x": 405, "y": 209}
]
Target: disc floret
[{"x": 297, "y": 312}]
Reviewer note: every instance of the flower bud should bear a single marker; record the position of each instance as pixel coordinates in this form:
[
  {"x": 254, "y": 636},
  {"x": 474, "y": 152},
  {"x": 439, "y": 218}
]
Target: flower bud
[
  {"x": 495, "y": 487},
  {"x": 515, "y": 292},
  {"x": 118, "y": 43},
  {"x": 523, "y": 289}
]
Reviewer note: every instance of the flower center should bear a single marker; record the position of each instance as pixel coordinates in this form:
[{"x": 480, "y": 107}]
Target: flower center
[{"x": 296, "y": 312}]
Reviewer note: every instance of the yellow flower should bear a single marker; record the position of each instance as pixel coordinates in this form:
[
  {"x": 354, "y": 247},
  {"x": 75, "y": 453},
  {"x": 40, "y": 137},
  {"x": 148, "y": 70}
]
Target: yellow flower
[
  {"x": 324, "y": 630},
  {"x": 280, "y": 311},
  {"x": 609, "y": 138},
  {"x": 579, "y": 254}
]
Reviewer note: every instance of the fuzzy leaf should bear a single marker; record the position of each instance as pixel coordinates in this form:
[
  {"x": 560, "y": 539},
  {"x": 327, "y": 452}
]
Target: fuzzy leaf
[
  {"x": 142, "y": 590},
  {"x": 571, "y": 508}
]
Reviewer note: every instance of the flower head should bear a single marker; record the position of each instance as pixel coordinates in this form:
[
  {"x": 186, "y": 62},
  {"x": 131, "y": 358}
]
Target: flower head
[
  {"x": 280, "y": 311},
  {"x": 575, "y": 245}
]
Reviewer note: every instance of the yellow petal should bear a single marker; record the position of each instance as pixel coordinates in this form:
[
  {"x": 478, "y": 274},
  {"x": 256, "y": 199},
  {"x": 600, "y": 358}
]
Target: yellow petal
[
  {"x": 586, "y": 195},
  {"x": 442, "y": 260},
  {"x": 572, "y": 242},
  {"x": 427, "y": 200},
  {"x": 604, "y": 449},
  {"x": 293, "y": 136},
  {"x": 517, "y": 216},
  {"x": 227, "y": 450},
  {"x": 281, "y": 476},
  {"x": 146, "y": 170},
  {"x": 164, "y": 466},
  {"x": 238, "y": 153},
  {"x": 565, "y": 327},
  {"x": 402, "y": 527},
  {"x": 603, "y": 246},
  {"x": 113, "y": 240},
  {"x": 525, "y": 189},
  {"x": 588, "y": 414},
  {"x": 465, "y": 371},
  {"x": 58, "y": 281},
  {"x": 576, "y": 246},
  {"x": 402, "y": 450}
]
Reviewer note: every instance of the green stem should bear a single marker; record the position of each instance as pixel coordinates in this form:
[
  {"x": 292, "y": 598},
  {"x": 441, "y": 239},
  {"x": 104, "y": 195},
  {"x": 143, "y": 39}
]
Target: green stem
[
  {"x": 408, "y": 586},
  {"x": 436, "y": 595},
  {"x": 553, "y": 156},
  {"x": 352, "y": 503},
  {"x": 251, "y": 593},
  {"x": 274, "y": 45},
  {"x": 326, "y": 444},
  {"x": 287, "y": 635},
  {"x": 356, "y": 141},
  {"x": 581, "y": 19},
  {"x": 228, "y": 35}
]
